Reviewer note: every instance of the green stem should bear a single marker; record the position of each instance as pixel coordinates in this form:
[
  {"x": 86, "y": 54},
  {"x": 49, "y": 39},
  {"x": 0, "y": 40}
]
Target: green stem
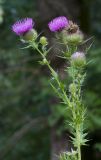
[
  {"x": 76, "y": 107},
  {"x": 79, "y": 152},
  {"x": 54, "y": 74},
  {"x": 78, "y": 144}
]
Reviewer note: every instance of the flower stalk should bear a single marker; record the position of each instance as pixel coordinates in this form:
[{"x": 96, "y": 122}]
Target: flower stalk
[
  {"x": 74, "y": 101},
  {"x": 71, "y": 37}
]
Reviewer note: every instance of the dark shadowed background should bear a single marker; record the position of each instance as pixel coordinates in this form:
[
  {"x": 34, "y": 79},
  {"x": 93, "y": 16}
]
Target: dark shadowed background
[{"x": 32, "y": 121}]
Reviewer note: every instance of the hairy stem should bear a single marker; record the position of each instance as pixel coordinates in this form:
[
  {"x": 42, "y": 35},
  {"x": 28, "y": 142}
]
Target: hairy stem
[
  {"x": 78, "y": 145},
  {"x": 79, "y": 152},
  {"x": 54, "y": 74},
  {"x": 77, "y": 109}
]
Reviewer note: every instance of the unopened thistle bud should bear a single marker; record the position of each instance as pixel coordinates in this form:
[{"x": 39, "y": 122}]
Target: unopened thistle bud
[
  {"x": 78, "y": 59},
  {"x": 72, "y": 88},
  {"x": 44, "y": 41},
  {"x": 44, "y": 61}
]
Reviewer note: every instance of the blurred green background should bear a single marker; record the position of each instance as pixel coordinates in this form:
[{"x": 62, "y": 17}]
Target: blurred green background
[{"x": 32, "y": 122}]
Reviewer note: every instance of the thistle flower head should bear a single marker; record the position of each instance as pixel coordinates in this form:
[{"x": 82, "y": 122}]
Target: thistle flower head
[
  {"x": 78, "y": 59},
  {"x": 23, "y": 26},
  {"x": 57, "y": 24}
]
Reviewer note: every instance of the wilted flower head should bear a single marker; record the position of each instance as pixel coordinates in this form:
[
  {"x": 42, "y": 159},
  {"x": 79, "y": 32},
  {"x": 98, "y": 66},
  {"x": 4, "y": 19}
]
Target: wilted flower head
[
  {"x": 57, "y": 24},
  {"x": 23, "y": 26},
  {"x": 78, "y": 59}
]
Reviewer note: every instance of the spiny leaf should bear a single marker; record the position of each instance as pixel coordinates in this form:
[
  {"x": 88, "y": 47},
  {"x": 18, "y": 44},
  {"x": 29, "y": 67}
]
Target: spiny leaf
[
  {"x": 26, "y": 47},
  {"x": 56, "y": 91},
  {"x": 87, "y": 40}
]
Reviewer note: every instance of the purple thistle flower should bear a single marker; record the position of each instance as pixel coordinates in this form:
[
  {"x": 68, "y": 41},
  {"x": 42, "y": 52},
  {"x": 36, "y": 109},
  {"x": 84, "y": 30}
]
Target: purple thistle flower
[
  {"x": 22, "y": 26},
  {"x": 77, "y": 55},
  {"x": 78, "y": 59},
  {"x": 57, "y": 24}
]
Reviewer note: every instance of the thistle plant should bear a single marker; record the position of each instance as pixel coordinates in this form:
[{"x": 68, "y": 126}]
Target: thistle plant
[{"x": 70, "y": 36}]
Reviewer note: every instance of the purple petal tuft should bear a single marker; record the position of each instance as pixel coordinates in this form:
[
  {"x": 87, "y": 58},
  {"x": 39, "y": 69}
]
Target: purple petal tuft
[
  {"x": 77, "y": 55},
  {"x": 22, "y": 26},
  {"x": 57, "y": 24}
]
